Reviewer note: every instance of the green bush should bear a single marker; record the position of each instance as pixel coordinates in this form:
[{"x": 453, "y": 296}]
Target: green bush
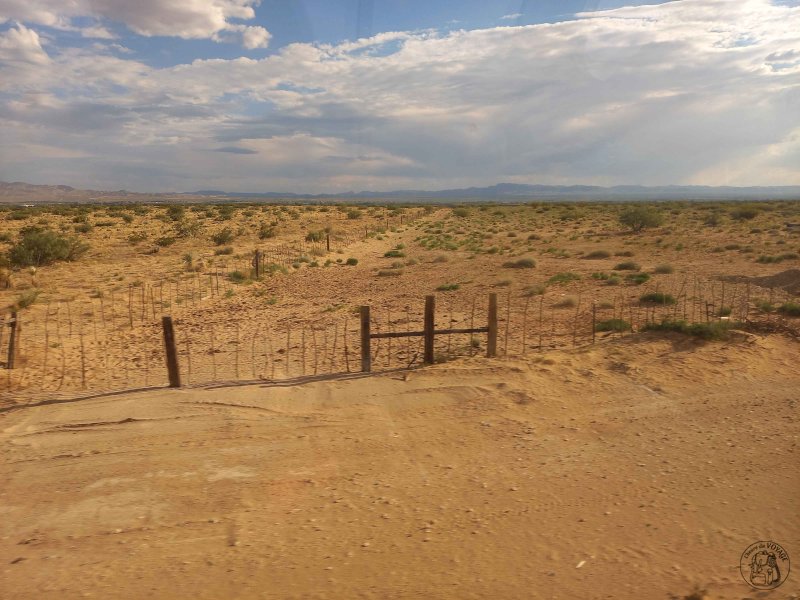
[
  {"x": 223, "y": 236},
  {"x": 394, "y": 254},
  {"x": 265, "y": 232},
  {"x": 37, "y": 247},
  {"x": 613, "y": 325},
  {"x": 390, "y": 272},
  {"x": 351, "y": 262},
  {"x": 448, "y": 287},
  {"x": 223, "y": 251},
  {"x": 637, "y": 278},
  {"x": 627, "y": 266},
  {"x": 564, "y": 278},
  {"x": 790, "y": 309},
  {"x": 744, "y": 213},
  {"x": 315, "y": 236},
  {"x": 597, "y": 254},
  {"x": 165, "y": 241},
  {"x": 640, "y": 217},
  {"x": 716, "y": 330},
  {"x": 175, "y": 213},
  {"x": 522, "y": 263},
  {"x": 657, "y": 298},
  {"x": 664, "y": 269}
]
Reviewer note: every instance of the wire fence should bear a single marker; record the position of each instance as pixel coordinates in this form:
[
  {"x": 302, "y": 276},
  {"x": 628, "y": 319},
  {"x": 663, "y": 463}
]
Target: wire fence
[{"x": 65, "y": 349}]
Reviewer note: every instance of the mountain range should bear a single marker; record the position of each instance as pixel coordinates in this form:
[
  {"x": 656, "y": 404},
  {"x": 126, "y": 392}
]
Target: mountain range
[{"x": 22, "y": 193}]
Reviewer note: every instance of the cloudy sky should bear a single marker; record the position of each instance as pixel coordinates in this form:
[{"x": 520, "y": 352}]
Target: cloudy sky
[{"x": 337, "y": 95}]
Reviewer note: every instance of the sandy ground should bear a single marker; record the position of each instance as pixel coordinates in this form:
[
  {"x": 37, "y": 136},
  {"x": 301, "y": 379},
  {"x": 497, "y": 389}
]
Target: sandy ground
[{"x": 638, "y": 468}]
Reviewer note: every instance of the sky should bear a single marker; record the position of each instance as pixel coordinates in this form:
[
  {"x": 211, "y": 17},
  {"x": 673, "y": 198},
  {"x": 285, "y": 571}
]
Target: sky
[{"x": 314, "y": 96}]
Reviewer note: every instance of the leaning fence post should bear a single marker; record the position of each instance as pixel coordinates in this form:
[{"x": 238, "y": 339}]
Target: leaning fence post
[
  {"x": 171, "y": 352},
  {"x": 491, "y": 343},
  {"x": 366, "y": 356},
  {"x": 430, "y": 323},
  {"x": 12, "y": 341}
]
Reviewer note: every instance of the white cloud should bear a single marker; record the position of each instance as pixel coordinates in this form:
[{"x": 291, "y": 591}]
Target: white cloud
[
  {"x": 511, "y": 17},
  {"x": 189, "y": 19},
  {"x": 683, "y": 92},
  {"x": 20, "y": 46}
]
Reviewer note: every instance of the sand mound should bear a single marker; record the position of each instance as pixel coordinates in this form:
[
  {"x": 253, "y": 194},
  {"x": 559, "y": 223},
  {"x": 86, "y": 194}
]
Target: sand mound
[
  {"x": 634, "y": 469},
  {"x": 788, "y": 281}
]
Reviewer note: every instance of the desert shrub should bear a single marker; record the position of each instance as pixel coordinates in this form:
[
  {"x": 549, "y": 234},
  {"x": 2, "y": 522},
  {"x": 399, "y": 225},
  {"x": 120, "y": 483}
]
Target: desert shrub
[
  {"x": 238, "y": 277},
  {"x": 37, "y": 247},
  {"x": 534, "y": 237},
  {"x": 640, "y": 217},
  {"x": 657, "y": 298},
  {"x": 790, "y": 309},
  {"x": 534, "y": 290},
  {"x": 390, "y": 272},
  {"x": 351, "y": 261},
  {"x": 744, "y": 213},
  {"x": 225, "y": 212},
  {"x": 266, "y": 232},
  {"x": 626, "y": 253},
  {"x": 614, "y": 280},
  {"x": 460, "y": 212},
  {"x": 715, "y": 330},
  {"x": 187, "y": 227},
  {"x": 165, "y": 241},
  {"x": 448, "y": 287},
  {"x": 353, "y": 214},
  {"x": 223, "y": 236},
  {"x": 127, "y": 218},
  {"x": 566, "y": 302},
  {"x": 26, "y": 299},
  {"x": 223, "y": 251},
  {"x": 724, "y": 311},
  {"x": 601, "y": 276},
  {"x": 597, "y": 254},
  {"x": 664, "y": 269},
  {"x": 613, "y": 325},
  {"x": 637, "y": 278},
  {"x": 83, "y": 228},
  {"x": 564, "y": 278},
  {"x": 522, "y": 263},
  {"x": 764, "y": 306},
  {"x": 315, "y": 236},
  {"x": 627, "y": 266},
  {"x": 440, "y": 259},
  {"x": 136, "y": 237},
  {"x": 175, "y": 213},
  {"x": 394, "y": 254}
]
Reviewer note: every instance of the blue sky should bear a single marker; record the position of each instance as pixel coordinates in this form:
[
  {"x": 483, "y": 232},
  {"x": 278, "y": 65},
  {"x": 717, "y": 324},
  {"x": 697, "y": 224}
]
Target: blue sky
[{"x": 334, "y": 95}]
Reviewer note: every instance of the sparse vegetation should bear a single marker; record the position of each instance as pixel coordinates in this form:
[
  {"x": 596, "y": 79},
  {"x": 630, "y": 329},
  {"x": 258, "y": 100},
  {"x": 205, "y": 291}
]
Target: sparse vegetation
[
  {"x": 37, "y": 247},
  {"x": 616, "y": 325},
  {"x": 638, "y": 218}
]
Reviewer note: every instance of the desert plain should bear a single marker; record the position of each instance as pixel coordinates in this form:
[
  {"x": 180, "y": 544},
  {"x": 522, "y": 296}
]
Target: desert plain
[{"x": 635, "y": 433}]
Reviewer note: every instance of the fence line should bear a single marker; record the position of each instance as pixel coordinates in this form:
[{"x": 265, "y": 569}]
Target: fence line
[{"x": 66, "y": 348}]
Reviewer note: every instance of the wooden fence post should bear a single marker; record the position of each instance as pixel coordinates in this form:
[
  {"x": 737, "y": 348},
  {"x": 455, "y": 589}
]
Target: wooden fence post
[
  {"x": 171, "y": 352},
  {"x": 328, "y": 241},
  {"x": 12, "y": 341},
  {"x": 491, "y": 343},
  {"x": 366, "y": 356},
  {"x": 430, "y": 323},
  {"x": 594, "y": 320},
  {"x": 257, "y": 264}
]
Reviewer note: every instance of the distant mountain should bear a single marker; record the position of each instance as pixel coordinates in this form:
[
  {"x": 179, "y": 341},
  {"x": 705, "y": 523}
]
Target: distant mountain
[
  {"x": 518, "y": 192},
  {"x": 23, "y": 193}
]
